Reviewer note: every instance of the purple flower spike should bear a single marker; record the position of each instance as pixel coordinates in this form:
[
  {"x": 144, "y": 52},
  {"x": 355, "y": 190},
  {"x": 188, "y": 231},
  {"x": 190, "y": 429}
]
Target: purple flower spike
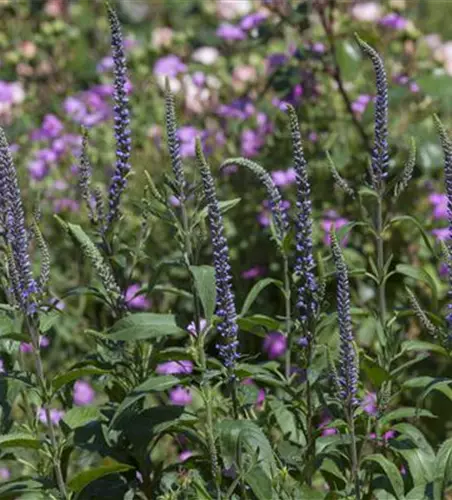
[
  {"x": 225, "y": 307},
  {"x": 121, "y": 119}
]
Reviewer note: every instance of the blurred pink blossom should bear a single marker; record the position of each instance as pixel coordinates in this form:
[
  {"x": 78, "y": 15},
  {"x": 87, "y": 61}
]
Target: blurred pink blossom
[
  {"x": 367, "y": 11},
  {"x": 180, "y": 396},
  {"x": 275, "y": 345},
  {"x": 185, "y": 455},
  {"x": 230, "y": 9},
  {"x": 175, "y": 367},
  {"x": 84, "y": 394},
  {"x": 55, "y": 416},
  {"x": 4, "y": 474},
  {"x": 161, "y": 37},
  {"x": 135, "y": 301}
]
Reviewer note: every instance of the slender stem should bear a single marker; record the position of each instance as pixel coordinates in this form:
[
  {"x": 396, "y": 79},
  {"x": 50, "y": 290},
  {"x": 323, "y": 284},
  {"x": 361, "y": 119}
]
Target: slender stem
[
  {"x": 327, "y": 24},
  {"x": 309, "y": 426},
  {"x": 34, "y": 334},
  {"x": 380, "y": 260},
  {"x": 288, "y": 313},
  {"x": 211, "y": 441},
  {"x": 354, "y": 453}
]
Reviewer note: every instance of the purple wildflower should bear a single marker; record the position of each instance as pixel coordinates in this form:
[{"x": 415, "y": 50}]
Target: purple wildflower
[
  {"x": 137, "y": 300},
  {"x": 231, "y": 33},
  {"x": 252, "y": 20},
  {"x": 2, "y": 366},
  {"x": 191, "y": 328},
  {"x": 225, "y": 307},
  {"x": 369, "y": 404},
  {"x": 394, "y": 21},
  {"x": 121, "y": 118},
  {"x": 439, "y": 202},
  {"x": 55, "y": 416},
  {"x": 253, "y": 273},
  {"x": 185, "y": 455},
  {"x": 169, "y": 66},
  {"x": 175, "y": 367},
  {"x": 275, "y": 345},
  {"x": 5, "y": 474},
  {"x": 180, "y": 396},
  {"x": 84, "y": 394}
]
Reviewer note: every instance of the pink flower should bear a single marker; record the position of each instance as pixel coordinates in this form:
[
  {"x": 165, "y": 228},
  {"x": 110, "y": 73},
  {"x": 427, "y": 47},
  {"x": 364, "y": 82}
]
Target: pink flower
[
  {"x": 170, "y": 66},
  {"x": 367, "y": 11},
  {"x": 180, "y": 396},
  {"x": 175, "y": 367},
  {"x": 369, "y": 403},
  {"x": 55, "y": 416},
  {"x": 84, "y": 394},
  {"x": 260, "y": 395},
  {"x": 185, "y": 455},
  {"x": 327, "y": 431},
  {"x": 162, "y": 37},
  {"x": 27, "y": 347},
  {"x": 135, "y": 301},
  {"x": 252, "y": 272},
  {"x": 191, "y": 328},
  {"x": 328, "y": 223},
  {"x": 2, "y": 366},
  {"x": 442, "y": 234},
  {"x": 4, "y": 474},
  {"x": 439, "y": 202},
  {"x": 275, "y": 345}
]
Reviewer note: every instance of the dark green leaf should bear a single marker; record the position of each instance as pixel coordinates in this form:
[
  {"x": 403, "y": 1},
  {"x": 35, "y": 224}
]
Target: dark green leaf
[
  {"x": 65, "y": 378},
  {"x": 204, "y": 278},
  {"x": 255, "y": 291},
  {"x": 82, "y": 479},
  {"x": 140, "y": 326},
  {"x": 391, "y": 472},
  {"x": 19, "y": 440},
  {"x": 81, "y": 415}
]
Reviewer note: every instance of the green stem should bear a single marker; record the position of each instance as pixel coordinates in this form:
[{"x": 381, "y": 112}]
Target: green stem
[
  {"x": 216, "y": 474},
  {"x": 34, "y": 334},
  {"x": 380, "y": 260},
  {"x": 288, "y": 313},
  {"x": 353, "y": 452}
]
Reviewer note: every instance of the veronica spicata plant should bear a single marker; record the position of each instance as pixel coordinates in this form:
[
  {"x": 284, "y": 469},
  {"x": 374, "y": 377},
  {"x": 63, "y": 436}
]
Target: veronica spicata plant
[{"x": 161, "y": 392}]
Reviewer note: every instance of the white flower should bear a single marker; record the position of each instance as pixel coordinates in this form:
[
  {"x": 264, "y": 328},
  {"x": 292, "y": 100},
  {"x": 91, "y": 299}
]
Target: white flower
[
  {"x": 230, "y": 9},
  {"x": 205, "y": 55},
  {"x": 368, "y": 11},
  {"x": 162, "y": 37},
  {"x": 17, "y": 91}
]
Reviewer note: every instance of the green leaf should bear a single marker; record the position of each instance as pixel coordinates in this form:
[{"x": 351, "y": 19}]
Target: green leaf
[
  {"x": 391, "y": 472},
  {"x": 430, "y": 384},
  {"x": 243, "y": 436},
  {"x": 19, "y": 440},
  {"x": 419, "y": 274},
  {"x": 82, "y": 479},
  {"x": 258, "y": 324},
  {"x": 225, "y": 206},
  {"x": 405, "y": 412},
  {"x": 287, "y": 422},
  {"x": 255, "y": 291},
  {"x": 422, "y": 346},
  {"x": 349, "y": 60},
  {"x": 81, "y": 415},
  {"x": 152, "y": 384},
  {"x": 140, "y": 326},
  {"x": 443, "y": 465},
  {"x": 47, "y": 320},
  {"x": 65, "y": 378},
  {"x": 413, "y": 220},
  {"x": 204, "y": 278},
  {"x": 18, "y": 488},
  {"x": 376, "y": 374}
]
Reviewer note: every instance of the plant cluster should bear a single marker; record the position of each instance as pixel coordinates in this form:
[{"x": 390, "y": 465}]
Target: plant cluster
[{"x": 177, "y": 403}]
